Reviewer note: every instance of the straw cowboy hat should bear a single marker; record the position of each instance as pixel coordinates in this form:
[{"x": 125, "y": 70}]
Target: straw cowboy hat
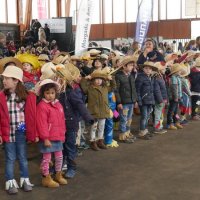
[
  {"x": 128, "y": 59},
  {"x": 47, "y": 72},
  {"x": 12, "y": 71},
  {"x": 185, "y": 70},
  {"x": 197, "y": 62},
  {"x": 171, "y": 57},
  {"x": 86, "y": 56},
  {"x": 6, "y": 60},
  {"x": 159, "y": 66},
  {"x": 61, "y": 58},
  {"x": 176, "y": 68},
  {"x": 115, "y": 60},
  {"x": 94, "y": 52},
  {"x": 44, "y": 82},
  {"x": 75, "y": 57},
  {"x": 73, "y": 70},
  {"x": 29, "y": 58},
  {"x": 104, "y": 56},
  {"x": 98, "y": 73},
  {"x": 43, "y": 57},
  {"x": 149, "y": 64}
]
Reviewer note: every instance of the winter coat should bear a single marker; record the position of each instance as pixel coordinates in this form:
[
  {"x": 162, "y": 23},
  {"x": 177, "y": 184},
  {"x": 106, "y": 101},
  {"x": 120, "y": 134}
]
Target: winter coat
[
  {"x": 125, "y": 88},
  {"x": 195, "y": 80},
  {"x": 74, "y": 106},
  {"x": 153, "y": 56},
  {"x": 50, "y": 121},
  {"x": 30, "y": 117},
  {"x": 97, "y": 99},
  {"x": 145, "y": 89},
  {"x": 160, "y": 90}
]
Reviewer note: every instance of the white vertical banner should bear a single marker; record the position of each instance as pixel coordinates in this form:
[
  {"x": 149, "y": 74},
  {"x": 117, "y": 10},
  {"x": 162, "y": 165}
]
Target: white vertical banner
[
  {"x": 144, "y": 16},
  {"x": 83, "y": 25}
]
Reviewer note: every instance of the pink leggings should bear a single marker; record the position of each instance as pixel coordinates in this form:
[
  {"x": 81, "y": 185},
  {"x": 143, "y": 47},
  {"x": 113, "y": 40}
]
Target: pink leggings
[{"x": 47, "y": 159}]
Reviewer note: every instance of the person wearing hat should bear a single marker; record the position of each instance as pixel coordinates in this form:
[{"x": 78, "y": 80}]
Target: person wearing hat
[
  {"x": 97, "y": 91},
  {"x": 145, "y": 88},
  {"x": 51, "y": 131},
  {"x": 17, "y": 124},
  {"x": 175, "y": 96},
  {"x": 194, "y": 77},
  {"x": 126, "y": 97},
  {"x": 4, "y": 62},
  {"x": 30, "y": 64},
  {"x": 161, "y": 97},
  {"x": 185, "y": 103},
  {"x": 73, "y": 101}
]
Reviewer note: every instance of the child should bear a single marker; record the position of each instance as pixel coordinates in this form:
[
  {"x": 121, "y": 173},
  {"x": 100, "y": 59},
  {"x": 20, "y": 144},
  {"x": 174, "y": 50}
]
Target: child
[
  {"x": 97, "y": 92},
  {"x": 185, "y": 104},
  {"x": 126, "y": 97},
  {"x": 145, "y": 91},
  {"x": 160, "y": 98},
  {"x": 30, "y": 75},
  {"x": 195, "y": 89},
  {"x": 17, "y": 124},
  {"x": 51, "y": 131},
  {"x": 72, "y": 100},
  {"x": 175, "y": 95}
]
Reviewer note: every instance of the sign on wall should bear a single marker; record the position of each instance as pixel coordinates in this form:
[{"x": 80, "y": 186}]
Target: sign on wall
[{"x": 55, "y": 25}]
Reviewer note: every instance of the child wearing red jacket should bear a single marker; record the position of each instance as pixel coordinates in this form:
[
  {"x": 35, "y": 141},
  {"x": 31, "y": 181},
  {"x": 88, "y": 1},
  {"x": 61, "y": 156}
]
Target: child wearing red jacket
[
  {"x": 51, "y": 131},
  {"x": 17, "y": 124}
]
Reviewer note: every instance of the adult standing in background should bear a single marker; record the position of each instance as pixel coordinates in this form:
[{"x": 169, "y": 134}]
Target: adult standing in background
[
  {"x": 198, "y": 43},
  {"x": 35, "y": 27},
  {"x": 47, "y": 32}
]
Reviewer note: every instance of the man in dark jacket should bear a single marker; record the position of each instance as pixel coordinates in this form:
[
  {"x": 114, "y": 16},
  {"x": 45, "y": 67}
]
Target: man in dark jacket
[{"x": 126, "y": 97}]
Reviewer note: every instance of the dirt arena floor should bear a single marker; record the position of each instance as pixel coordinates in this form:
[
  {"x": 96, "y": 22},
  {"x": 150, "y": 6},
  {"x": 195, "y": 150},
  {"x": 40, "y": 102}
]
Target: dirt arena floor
[{"x": 165, "y": 168}]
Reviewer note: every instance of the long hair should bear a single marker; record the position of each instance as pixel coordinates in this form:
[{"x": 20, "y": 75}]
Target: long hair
[{"x": 20, "y": 91}]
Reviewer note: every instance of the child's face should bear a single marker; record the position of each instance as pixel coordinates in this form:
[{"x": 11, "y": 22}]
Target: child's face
[
  {"x": 98, "y": 64},
  {"x": 50, "y": 95},
  {"x": 98, "y": 81},
  {"x": 129, "y": 67},
  {"x": 147, "y": 70},
  {"x": 78, "y": 79},
  {"x": 9, "y": 83},
  {"x": 27, "y": 67}
]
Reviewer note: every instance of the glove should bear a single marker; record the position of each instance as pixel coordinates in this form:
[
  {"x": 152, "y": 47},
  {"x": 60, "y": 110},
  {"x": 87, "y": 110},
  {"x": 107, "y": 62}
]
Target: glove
[{"x": 113, "y": 144}]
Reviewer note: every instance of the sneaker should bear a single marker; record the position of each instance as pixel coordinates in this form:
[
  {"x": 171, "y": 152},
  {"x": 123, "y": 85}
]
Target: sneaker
[
  {"x": 26, "y": 185},
  {"x": 11, "y": 187},
  {"x": 70, "y": 173},
  {"x": 184, "y": 122},
  {"x": 160, "y": 131},
  {"x": 64, "y": 167}
]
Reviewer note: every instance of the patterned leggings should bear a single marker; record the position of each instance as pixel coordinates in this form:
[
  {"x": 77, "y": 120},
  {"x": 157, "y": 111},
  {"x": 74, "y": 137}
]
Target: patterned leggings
[{"x": 47, "y": 159}]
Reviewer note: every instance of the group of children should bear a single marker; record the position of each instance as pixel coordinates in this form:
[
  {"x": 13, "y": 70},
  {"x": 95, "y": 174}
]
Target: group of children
[{"x": 49, "y": 109}]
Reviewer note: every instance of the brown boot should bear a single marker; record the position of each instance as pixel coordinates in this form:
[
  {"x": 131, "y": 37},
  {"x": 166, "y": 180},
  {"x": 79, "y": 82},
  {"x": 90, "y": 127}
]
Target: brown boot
[
  {"x": 47, "y": 181},
  {"x": 93, "y": 146},
  {"x": 100, "y": 144},
  {"x": 59, "y": 178},
  {"x": 179, "y": 126}
]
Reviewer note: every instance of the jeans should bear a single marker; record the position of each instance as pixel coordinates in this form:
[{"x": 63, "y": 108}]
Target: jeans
[
  {"x": 172, "y": 112},
  {"x": 194, "y": 100},
  {"x": 125, "y": 117},
  {"x": 16, "y": 150},
  {"x": 158, "y": 115},
  {"x": 70, "y": 149},
  {"x": 145, "y": 111}
]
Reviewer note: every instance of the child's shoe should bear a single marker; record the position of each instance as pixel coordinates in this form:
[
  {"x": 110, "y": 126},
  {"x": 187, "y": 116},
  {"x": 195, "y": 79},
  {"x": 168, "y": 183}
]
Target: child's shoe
[
  {"x": 159, "y": 131},
  {"x": 171, "y": 127},
  {"x": 70, "y": 173},
  {"x": 184, "y": 122},
  {"x": 123, "y": 138},
  {"x": 101, "y": 145},
  {"x": 11, "y": 187},
  {"x": 144, "y": 135},
  {"x": 26, "y": 184},
  {"x": 60, "y": 179},
  {"x": 179, "y": 126},
  {"x": 93, "y": 146},
  {"x": 47, "y": 181}
]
